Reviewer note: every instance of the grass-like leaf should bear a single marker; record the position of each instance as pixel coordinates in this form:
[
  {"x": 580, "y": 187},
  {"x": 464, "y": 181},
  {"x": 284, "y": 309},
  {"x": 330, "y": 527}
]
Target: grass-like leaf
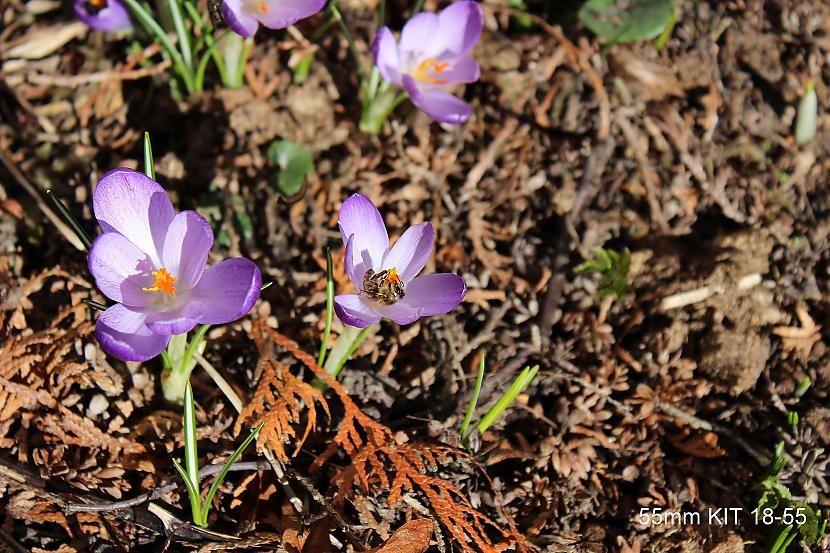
[{"x": 221, "y": 476}]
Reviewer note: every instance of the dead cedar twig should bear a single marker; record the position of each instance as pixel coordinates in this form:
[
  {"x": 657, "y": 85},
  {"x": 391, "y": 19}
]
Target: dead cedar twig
[{"x": 682, "y": 299}]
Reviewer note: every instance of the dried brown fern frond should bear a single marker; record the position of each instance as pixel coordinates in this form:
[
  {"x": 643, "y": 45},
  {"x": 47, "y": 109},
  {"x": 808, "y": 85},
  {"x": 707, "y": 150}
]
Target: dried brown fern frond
[
  {"x": 380, "y": 464},
  {"x": 68, "y": 427},
  {"x": 14, "y": 298},
  {"x": 278, "y": 402},
  {"x": 28, "y": 360}
]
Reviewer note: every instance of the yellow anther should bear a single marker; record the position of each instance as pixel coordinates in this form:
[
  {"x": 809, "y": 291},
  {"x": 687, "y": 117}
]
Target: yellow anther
[
  {"x": 393, "y": 276},
  {"x": 164, "y": 282},
  {"x": 427, "y": 70}
]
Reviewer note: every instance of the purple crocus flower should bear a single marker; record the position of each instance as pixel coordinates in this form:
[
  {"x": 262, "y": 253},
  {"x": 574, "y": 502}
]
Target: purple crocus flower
[
  {"x": 151, "y": 261},
  {"x": 244, "y": 16},
  {"x": 386, "y": 277},
  {"x": 431, "y": 57},
  {"x": 103, "y": 15}
]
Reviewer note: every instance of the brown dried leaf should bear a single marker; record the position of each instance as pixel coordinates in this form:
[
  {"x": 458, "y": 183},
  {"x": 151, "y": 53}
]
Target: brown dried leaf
[
  {"x": 412, "y": 537},
  {"x": 703, "y": 445},
  {"x": 800, "y": 339}
]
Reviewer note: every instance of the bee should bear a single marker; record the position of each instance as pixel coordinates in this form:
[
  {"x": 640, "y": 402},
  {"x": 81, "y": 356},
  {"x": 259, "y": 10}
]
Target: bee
[
  {"x": 215, "y": 11},
  {"x": 385, "y": 287}
]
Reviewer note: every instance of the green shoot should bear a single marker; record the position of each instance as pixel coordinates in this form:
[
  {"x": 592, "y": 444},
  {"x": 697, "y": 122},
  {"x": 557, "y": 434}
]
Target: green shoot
[
  {"x": 190, "y": 472},
  {"x": 776, "y": 498},
  {"x": 784, "y": 539},
  {"x": 613, "y": 266},
  {"x": 519, "y": 385},
  {"x": 462, "y": 430},
  {"x": 225, "y": 468},
  {"x": 792, "y": 421},
  {"x": 802, "y": 388},
  {"x": 329, "y": 307},
  {"x": 149, "y": 166},
  {"x": 807, "y": 117},
  {"x": 184, "y": 71}
]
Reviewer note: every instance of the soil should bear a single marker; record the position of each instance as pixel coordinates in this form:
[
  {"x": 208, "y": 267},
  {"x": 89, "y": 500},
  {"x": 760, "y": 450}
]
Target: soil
[{"x": 671, "y": 397}]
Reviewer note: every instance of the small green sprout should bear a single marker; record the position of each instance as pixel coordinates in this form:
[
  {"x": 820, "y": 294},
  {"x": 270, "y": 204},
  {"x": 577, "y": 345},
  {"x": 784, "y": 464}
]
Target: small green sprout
[
  {"x": 614, "y": 268},
  {"x": 190, "y": 472},
  {"x": 805, "y": 122},
  {"x": 518, "y": 386},
  {"x": 792, "y": 421},
  {"x": 802, "y": 388},
  {"x": 474, "y": 400},
  {"x": 776, "y": 498}
]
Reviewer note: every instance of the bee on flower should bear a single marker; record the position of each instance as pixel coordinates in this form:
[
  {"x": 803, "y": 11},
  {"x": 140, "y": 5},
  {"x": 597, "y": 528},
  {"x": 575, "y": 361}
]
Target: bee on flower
[{"x": 387, "y": 277}]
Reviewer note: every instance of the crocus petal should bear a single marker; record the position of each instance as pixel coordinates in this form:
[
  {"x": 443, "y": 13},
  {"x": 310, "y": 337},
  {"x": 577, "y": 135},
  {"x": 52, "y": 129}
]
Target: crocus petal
[
  {"x": 459, "y": 28},
  {"x": 401, "y": 313},
  {"x": 355, "y": 310},
  {"x": 435, "y": 294},
  {"x": 279, "y": 14},
  {"x": 120, "y": 269},
  {"x": 411, "y": 252},
  {"x": 177, "y": 320},
  {"x": 134, "y": 205},
  {"x": 114, "y": 17},
  {"x": 419, "y": 37},
  {"x": 438, "y": 104},
  {"x": 186, "y": 248},
  {"x": 348, "y": 263},
  {"x": 122, "y": 333},
  {"x": 360, "y": 217},
  {"x": 227, "y": 291},
  {"x": 385, "y": 51},
  {"x": 461, "y": 70},
  {"x": 238, "y": 18}
]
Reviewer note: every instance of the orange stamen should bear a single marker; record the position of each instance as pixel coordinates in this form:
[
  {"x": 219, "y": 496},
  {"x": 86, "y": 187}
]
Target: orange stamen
[
  {"x": 433, "y": 66},
  {"x": 263, "y": 8},
  {"x": 164, "y": 282},
  {"x": 393, "y": 275},
  {"x": 99, "y": 3}
]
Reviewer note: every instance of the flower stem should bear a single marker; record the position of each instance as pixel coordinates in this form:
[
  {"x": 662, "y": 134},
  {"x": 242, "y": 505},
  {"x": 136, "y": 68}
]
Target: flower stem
[
  {"x": 179, "y": 363},
  {"x": 376, "y": 110},
  {"x": 419, "y": 5},
  {"x": 329, "y": 307},
  {"x": 345, "y": 345}
]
